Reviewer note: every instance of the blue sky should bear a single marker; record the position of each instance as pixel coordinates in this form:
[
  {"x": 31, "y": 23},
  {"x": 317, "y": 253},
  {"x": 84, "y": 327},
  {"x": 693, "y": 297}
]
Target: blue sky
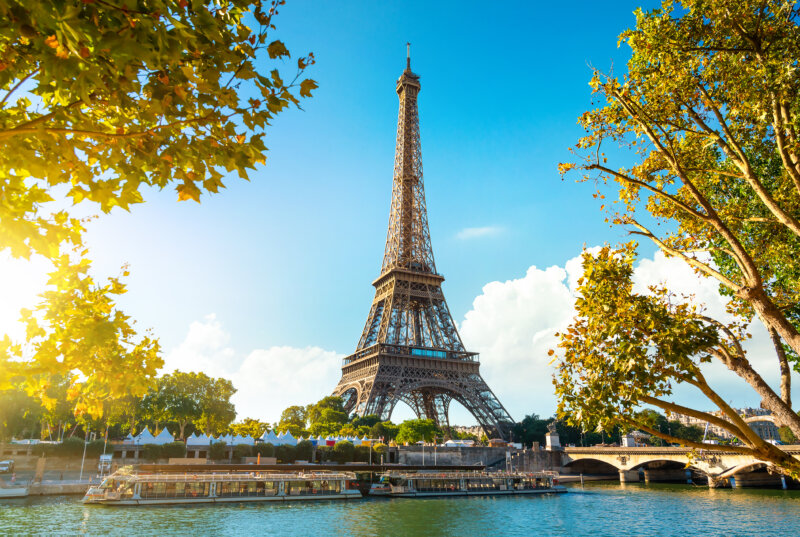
[
  {"x": 288, "y": 258},
  {"x": 271, "y": 278}
]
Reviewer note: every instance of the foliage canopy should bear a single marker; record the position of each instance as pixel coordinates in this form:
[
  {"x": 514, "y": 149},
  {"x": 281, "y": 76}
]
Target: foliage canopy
[{"x": 99, "y": 102}]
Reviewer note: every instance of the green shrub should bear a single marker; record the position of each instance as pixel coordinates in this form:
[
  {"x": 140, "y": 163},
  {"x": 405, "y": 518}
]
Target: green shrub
[
  {"x": 361, "y": 453},
  {"x": 95, "y": 448},
  {"x": 47, "y": 450},
  {"x": 242, "y": 450},
  {"x": 174, "y": 450},
  {"x": 217, "y": 451},
  {"x": 70, "y": 447},
  {"x": 323, "y": 453},
  {"x": 303, "y": 451},
  {"x": 151, "y": 452},
  {"x": 343, "y": 452},
  {"x": 380, "y": 448},
  {"x": 265, "y": 450},
  {"x": 285, "y": 453}
]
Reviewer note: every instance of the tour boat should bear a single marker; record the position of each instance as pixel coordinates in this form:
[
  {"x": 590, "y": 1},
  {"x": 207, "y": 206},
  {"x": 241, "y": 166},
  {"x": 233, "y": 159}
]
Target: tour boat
[
  {"x": 131, "y": 487},
  {"x": 423, "y": 484}
]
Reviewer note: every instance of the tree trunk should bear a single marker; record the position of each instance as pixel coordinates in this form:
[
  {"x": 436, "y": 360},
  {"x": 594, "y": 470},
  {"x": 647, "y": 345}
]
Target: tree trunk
[
  {"x": 771, "y": 315},
  {"x": 786, "y": 372},
  {"x": 769, "y": 399}
]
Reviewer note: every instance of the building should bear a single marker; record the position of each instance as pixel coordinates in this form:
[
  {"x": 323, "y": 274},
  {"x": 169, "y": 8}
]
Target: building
[{"x": 765, "y": 428}]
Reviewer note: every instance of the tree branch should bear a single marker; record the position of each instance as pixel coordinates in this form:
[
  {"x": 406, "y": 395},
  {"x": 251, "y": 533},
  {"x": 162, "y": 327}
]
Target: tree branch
[
  {"x": 678, "y": 253},
  {"x": 18, "y": 84},
  {"x": 649, "y": 187}
]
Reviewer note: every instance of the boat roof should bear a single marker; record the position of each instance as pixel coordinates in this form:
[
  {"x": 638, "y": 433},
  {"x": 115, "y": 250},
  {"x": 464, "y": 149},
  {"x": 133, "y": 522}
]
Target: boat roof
[{"x": 129, "y": 475}]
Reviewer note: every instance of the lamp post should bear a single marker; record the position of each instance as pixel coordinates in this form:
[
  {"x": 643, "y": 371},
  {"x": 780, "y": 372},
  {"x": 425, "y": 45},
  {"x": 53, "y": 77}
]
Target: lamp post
[{"x": 85, "y": 441}]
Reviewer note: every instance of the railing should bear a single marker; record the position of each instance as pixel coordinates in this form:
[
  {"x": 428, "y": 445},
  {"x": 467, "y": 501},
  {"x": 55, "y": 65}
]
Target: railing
[
  {"x": 412, "y": 351},
  {"x": 254, "y": 476}
]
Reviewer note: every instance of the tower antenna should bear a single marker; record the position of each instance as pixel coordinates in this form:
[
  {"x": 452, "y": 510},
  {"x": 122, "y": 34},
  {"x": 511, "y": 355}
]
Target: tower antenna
[{"x": 408, "y": 56}]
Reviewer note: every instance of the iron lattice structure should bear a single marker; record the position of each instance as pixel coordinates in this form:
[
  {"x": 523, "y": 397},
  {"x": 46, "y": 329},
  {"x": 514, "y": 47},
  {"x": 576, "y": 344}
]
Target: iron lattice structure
[{"x": 410, "y": 349}]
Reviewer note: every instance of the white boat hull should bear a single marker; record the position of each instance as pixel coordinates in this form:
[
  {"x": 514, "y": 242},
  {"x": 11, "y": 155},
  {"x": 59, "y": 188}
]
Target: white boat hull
[
  {"x": 13, "y": 492},
  {"x": 234, "y": 499}
]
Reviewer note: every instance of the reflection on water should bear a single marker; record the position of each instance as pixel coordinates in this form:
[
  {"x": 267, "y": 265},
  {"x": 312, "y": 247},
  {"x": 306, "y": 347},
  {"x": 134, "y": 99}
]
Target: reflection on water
[{"x": 598, "y": 509}]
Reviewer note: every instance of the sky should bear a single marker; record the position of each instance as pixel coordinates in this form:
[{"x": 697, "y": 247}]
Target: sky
[{"x": 269, "y": 282}]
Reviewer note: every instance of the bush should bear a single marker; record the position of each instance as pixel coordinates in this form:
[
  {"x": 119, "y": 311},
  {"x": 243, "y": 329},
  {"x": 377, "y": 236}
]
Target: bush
[
  {"x": 46, "y": 450},
  {"x": 380, "y": 448},
  {"x": 323, "y": 453},
  {"x": 173, "y": 449},
  {"x": 787, "y": 436},
  {"x": 95, "y": 448},
  {"x": 70, "y": 447},
  {"x": 265, "y": 450},
  {"x": 285, "y": 453},
  {"x": 217, "y": 451},
  {"x": 303, "y": 451},
  {"x": 343, "y": 452},
  {"x": 362, "y": 453},
  {"x": 152, "y": 452},
  {"x": 241, "y": 451}
]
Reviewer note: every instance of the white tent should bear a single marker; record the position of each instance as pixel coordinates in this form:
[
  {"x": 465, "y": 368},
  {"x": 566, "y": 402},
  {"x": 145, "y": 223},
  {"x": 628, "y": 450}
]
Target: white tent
[
  {"x": 246, "y": 440},
  {"x": 128, "y": 439},
  {"x": 228, "y": 439},
  {"x": 145, "y": 437},
  {"x": 269, "y": 438},
  {"x": 288, "y": 439},
  {"x": 365, "y": 440},
  {"x": 196, "y": 440},
  {"x": 320, "y": 440},
  {"x": 163, "y": 437}
]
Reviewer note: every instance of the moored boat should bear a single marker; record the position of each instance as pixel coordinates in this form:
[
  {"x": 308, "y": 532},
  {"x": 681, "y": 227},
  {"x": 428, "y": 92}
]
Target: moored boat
[
  {"x": 132, "y": 487},
  {"x": 423, "y": 484},
  {"x": 13, "y": 492}
]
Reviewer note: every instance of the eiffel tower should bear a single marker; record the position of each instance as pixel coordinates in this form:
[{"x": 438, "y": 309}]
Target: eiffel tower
[{"x": 410, "y": 349}]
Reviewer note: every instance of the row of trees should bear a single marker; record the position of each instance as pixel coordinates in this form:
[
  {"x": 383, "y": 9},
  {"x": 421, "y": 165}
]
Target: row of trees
[
  {"x": 533, "y": 429},
  {"x": 328, "y": 417},
  {"x": 183, "y": 402}
]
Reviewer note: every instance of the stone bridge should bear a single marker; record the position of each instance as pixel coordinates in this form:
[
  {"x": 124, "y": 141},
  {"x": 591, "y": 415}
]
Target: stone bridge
[{"x": 672, "y": 464}]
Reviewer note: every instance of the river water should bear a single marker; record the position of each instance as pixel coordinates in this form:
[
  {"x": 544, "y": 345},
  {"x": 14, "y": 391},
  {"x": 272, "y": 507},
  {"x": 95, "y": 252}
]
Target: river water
[{"x": 598, "y": 510}]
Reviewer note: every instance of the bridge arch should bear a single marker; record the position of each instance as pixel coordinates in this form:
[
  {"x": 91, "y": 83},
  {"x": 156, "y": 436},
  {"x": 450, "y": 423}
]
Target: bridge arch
[{"x": 590, "y": 465}]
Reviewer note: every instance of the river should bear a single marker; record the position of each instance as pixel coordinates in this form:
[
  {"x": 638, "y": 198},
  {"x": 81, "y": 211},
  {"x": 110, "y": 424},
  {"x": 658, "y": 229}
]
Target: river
[{"x": 597, "y": 509}]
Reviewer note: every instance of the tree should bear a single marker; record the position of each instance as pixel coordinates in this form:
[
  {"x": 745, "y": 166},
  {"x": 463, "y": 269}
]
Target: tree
[
  {"x": 100, "y": 102},
  {"x": 182, "y": 395},
  {"x": 327, "y": 416},
  {"x": 249, "y": 427},
  {"x": 216, "y": 410},
  {"x": 20, "y": 415},
  {"x": 370, "y": 420},
  {"x": 625, "y": 350},
  {"x": 384, "y": 429},
  {"x": 293, "y": 419},
  {"x": 708, "y": 109},
  {"x": 531, "y": 429},
  {"x": 413, "y": 431}
]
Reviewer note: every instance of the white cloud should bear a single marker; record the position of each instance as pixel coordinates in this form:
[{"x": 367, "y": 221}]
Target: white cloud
[
  {"x": 478, "y": 232},
  {"x": 267, "y": 380},
  {"x": 512, "y": 324}
]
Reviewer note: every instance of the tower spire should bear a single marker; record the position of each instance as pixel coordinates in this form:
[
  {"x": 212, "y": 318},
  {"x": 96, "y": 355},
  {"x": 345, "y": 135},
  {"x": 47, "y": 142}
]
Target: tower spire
[{"x": 408, "y": 241}]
